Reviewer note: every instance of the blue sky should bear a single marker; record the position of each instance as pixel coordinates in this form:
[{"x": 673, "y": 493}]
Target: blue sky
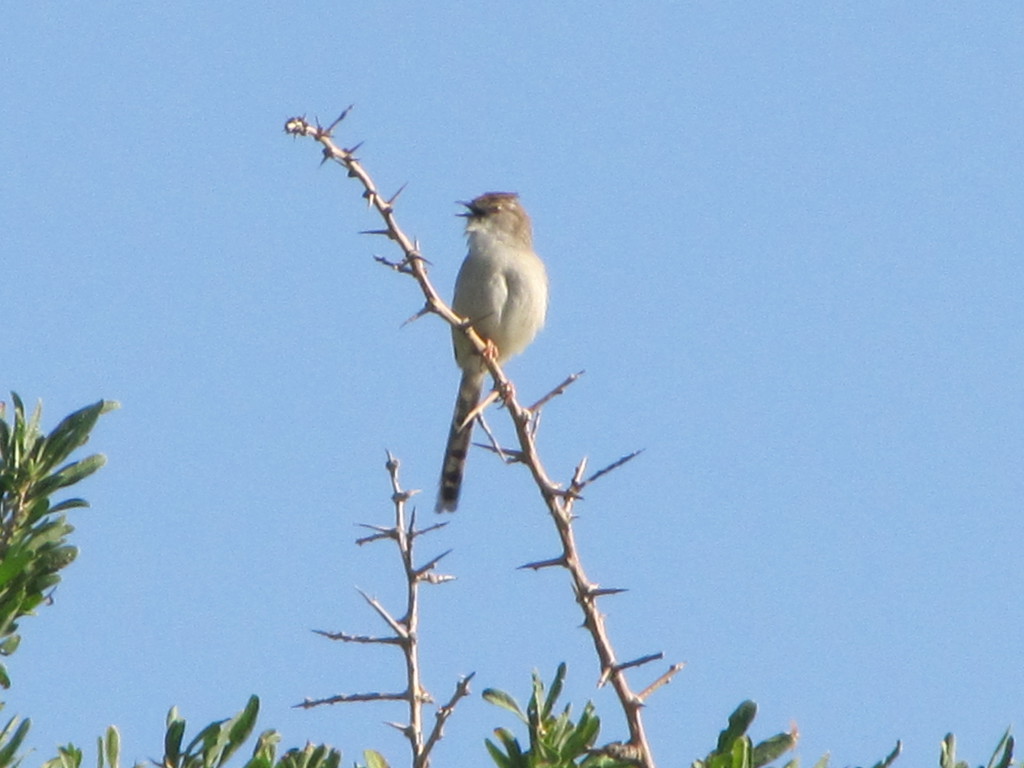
[{"x": 784, "y": 241}]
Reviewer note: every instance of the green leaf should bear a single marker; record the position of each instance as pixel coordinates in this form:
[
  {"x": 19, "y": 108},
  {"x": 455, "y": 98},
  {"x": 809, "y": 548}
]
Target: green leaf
[
  {"x": 208, "y": 738},
  {"x": 374, "y": 759},
  {"x": 12, "y": 741},
  {"x": 583, "y": 736},
  {"x": 14, "y": 563},
  {"x": 71, "y": 433},
  {"x": 511, "y": 744},
  {"x": 10, "y": 645},
  {"x": 240, "y": 728},
  {"x": 555, "y": 692},
  {"x": 741, "y": 753},
  {"x": 1003, "y": 754},
  {"x": 739, "y": 722},
  {"x": 68, "y": 756},
  {"x": 497, "y": 755},
  {"x": 894, "y": 754},
  {"x": 69, "y": 504},
  {"x": 266, "y": 744},
  {"x": 112, "y": 748},
  {"x": 503, "y": 700},
  {"x": 772, "y": 749},
  {"x": 69, "y": 475}
]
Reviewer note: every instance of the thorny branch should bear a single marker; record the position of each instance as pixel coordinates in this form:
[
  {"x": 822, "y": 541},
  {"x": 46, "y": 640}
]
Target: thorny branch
[
  {"x": 559, "y": 502},
  {"x": 406, "y": 636}
]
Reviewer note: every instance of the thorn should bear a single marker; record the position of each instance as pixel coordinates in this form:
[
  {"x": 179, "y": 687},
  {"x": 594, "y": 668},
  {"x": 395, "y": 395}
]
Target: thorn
[
  {"x": 405, "y": 730},
  {"x": 384, "y": 232},
  {"x": 430, "y": 528},
  {"x": 538, "y": 564},
  {"x": 342, "y": 116},
  {"x": 640, "y": 661},
  {"x": 377, "y": 528},
  {"x": 425, "y": 311},
  {"x": 392, "y": 622},
  {"x": 605, "y": 591},
  {"x": 351, "y": 150},
  {"x": 577, "y": 476},
  {"x": 508, "y": 455},
  {"x": 404, "y": 496},
  {"x": 394, "y": 197},
  {"x": 614, "y": 465},
  {"x": 426, "y": 567},
  {"x": 375, "y": 537}
]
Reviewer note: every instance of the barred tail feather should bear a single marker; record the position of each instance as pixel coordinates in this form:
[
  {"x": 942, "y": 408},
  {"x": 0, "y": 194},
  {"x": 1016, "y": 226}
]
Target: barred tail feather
[{"x": 458, "y": 443}]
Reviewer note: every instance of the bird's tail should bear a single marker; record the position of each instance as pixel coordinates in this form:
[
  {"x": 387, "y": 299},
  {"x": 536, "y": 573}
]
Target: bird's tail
[{"x": 459, "y": 436}]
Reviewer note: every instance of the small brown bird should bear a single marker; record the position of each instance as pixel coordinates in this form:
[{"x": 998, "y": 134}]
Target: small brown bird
[{"x": 502, "y": 290}]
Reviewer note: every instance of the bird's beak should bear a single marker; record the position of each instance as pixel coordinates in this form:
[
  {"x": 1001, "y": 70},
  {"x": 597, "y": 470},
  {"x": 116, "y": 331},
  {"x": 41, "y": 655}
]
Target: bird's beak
[{"x": 469, "y": 212}]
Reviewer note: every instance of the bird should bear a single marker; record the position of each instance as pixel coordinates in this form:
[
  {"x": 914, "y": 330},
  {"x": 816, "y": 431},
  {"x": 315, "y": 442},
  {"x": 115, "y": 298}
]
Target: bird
[{"x": 502, "y": 292}]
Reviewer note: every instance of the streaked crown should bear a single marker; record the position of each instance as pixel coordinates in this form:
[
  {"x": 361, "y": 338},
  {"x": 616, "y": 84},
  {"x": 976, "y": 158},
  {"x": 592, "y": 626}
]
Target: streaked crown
[{"x": 499, "y": 214}]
